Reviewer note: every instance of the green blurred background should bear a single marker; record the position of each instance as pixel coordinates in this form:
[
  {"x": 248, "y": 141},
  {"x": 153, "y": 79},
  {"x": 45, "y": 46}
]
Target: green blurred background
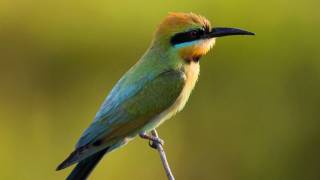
[{"x": 255, "y": 113}]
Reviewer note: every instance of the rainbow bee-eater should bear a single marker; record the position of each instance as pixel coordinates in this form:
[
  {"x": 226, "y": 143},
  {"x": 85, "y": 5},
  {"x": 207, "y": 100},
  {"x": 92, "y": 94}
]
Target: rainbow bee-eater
[{"x": 152, "y": 91}]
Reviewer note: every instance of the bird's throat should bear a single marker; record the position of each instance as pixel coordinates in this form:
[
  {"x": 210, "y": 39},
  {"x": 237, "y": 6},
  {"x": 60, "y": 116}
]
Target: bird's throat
[
  {"x": 194, "y": 59},
  {"x": 195, "y": 52}
]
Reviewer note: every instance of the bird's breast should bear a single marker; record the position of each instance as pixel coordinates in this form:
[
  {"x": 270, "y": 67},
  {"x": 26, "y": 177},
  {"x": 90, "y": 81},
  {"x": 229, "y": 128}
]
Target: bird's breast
[{"x": 191, "y": 71}]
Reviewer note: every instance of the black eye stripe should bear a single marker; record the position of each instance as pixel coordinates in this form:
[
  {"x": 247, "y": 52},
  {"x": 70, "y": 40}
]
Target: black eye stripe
[{"x": 187, "y": 36}]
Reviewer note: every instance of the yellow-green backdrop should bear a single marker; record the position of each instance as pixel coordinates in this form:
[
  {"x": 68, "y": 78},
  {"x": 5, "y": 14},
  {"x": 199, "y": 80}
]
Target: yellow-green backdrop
[{"x": 254, "y": 115}]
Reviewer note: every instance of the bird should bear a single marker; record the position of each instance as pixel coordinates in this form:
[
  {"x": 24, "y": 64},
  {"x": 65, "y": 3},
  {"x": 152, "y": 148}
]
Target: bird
[{"x": 152, "y": 91}]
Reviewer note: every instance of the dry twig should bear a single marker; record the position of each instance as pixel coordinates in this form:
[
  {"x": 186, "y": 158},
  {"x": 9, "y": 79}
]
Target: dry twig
[{"x": 162, "y": 156}]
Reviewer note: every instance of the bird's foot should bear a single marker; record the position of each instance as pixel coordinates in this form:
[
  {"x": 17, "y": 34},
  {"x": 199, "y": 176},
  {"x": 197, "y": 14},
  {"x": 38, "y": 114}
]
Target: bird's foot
[{"x": 154, "y": 141}]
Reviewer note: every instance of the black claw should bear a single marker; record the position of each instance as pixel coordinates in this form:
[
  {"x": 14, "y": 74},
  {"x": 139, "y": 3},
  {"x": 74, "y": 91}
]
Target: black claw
[{"x": 153, "y": 144}]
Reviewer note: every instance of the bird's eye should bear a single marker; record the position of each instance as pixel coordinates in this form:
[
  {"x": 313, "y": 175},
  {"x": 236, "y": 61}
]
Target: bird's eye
[{"x": 193, "y": 34}]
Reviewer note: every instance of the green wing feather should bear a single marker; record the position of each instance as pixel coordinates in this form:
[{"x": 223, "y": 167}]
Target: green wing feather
[
  {"x": 156, "y": 96},
  {"x": 130, "y": 117}
]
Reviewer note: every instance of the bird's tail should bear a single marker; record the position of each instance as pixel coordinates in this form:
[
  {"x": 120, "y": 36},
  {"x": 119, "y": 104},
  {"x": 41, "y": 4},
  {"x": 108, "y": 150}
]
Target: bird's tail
[{"x": 84, "y": 167}]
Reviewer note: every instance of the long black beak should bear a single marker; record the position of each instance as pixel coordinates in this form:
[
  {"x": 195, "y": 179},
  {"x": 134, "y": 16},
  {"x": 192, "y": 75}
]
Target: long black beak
[{"x": 224, "y": 31}]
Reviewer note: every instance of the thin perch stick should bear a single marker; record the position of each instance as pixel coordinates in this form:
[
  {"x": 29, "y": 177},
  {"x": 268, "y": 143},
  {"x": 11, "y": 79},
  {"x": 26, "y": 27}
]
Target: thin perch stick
[{"x": 163, "y": 156}]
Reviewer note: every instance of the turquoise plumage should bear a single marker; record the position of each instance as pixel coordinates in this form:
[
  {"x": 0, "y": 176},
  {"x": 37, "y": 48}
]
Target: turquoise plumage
[{"x": 131, "y": 105}]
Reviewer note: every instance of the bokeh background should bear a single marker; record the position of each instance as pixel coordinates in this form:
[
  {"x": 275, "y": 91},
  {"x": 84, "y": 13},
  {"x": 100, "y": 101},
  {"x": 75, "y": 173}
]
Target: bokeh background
[{"x": 255, "y": 113}]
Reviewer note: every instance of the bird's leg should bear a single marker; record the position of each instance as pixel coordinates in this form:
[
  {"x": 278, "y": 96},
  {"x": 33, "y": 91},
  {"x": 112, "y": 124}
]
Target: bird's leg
[{"x": 153, "y": 139}]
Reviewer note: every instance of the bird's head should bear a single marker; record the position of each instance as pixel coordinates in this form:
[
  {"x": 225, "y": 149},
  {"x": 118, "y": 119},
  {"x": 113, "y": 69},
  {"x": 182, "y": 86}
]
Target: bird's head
[{"x": 190, "y": 35}]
